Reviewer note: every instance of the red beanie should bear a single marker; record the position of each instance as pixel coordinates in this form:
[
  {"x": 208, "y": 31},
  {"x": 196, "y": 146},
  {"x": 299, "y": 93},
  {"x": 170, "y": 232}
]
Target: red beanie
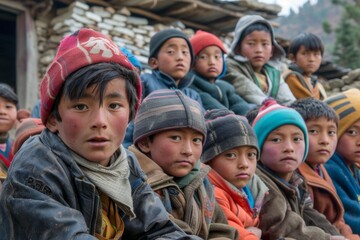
[
  {"x": 203, "y": 39},
  {"x": 80, "y": 49}
]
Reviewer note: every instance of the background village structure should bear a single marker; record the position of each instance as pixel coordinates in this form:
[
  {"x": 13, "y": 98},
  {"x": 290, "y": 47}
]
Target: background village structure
[{"x": 32, "y": 30}]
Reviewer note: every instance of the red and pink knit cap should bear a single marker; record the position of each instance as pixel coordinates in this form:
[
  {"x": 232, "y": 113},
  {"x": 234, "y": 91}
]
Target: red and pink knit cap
[
  {"x": 82, "y": 48},
  {"x": 203, "y": 39}
]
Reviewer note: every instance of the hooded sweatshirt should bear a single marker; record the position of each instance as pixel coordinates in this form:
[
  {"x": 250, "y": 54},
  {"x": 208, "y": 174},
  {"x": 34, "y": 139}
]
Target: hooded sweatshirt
[{"x": 241, "y": 74}]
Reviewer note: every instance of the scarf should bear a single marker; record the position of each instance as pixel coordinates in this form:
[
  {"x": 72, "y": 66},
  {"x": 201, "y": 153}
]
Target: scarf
[{"x": 112, "y": 180}]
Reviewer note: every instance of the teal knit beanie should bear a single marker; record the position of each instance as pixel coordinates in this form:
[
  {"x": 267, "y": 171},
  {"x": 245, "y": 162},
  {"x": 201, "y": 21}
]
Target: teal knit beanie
[{"x": 272, "y": 116}]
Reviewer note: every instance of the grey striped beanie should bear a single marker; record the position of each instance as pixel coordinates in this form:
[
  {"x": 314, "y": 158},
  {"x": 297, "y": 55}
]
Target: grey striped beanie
[
  {"x": 226, "y": 130},
  {"x": 167, "y": 109}
]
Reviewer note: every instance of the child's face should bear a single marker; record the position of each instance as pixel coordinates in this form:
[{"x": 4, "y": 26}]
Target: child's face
[
  {"x": 283, "y": 150},
  {"x": 257, "y": 47},
  {"x": 322, "y": 140},
  {"x": 209, "y": 63},
  {"x": 92, "y": 130},
  {"x": 309, "y": 61},
  {"x": 175, "y": 151},
  {"x": 174, "y": 58},
  {"x": 236, "y": 165},
  {"x": 349, "y": 144},
  {"x": 8, "y": 113}
]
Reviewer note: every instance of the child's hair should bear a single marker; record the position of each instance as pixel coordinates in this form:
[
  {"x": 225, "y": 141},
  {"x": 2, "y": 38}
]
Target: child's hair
[
  {"x": 162, "y": 36},
  {"x": 272, "y": 116},
  {"x": 8, "y": 93},
  {"x": 251, "y": 114},
  {"x": 255, "y": 27},
  {"x": 83, "y": 48},
  {"x": 167, "y": 109},
  {"x": 310, "y": 41},
  {"x": 99, "y": 74},
  {"x": 226, "y": 130},
  {"x": 312, "y": 109},
  {"x": 347, "y": 106}
]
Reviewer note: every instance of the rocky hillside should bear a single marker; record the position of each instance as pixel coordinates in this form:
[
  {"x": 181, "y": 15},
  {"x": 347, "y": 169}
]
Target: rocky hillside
[{"x": 310, "y": 18}]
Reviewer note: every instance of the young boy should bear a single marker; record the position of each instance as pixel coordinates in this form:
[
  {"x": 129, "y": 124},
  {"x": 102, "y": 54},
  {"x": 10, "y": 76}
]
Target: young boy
[
  {"x": 75, "y": 180},
  {"x": 171, "y": 57},
  {"x": 254, "y": 60},
  {"x": 232, "y": 151},
  {"x": 322, "y": 121},
  {"x": 287, "y": 210},
  {"x": 8, "y": 118},
  {"x": 305, "y": 52},
  {"x": 209, "y": 67},
  {"x": 341, "y": 166},
  {"x": 169, "y": 132}
]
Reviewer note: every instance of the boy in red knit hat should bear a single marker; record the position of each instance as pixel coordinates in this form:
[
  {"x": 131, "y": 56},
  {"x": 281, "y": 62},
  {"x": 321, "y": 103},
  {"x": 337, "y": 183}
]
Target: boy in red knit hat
[
  {"x": 75, "y": 179},
  {"x": 209, "y": 67}
]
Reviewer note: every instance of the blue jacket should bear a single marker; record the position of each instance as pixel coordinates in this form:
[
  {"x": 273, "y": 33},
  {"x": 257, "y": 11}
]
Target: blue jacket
[
  {"x": 47, "y": 196},
  {"x": 159, "y": 80},
  {"x": 220, "y": 95},
  {"x": 348, "y": 188}
]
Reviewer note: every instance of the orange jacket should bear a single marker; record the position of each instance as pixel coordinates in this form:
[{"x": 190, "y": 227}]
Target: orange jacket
[
  {"x": 236, "y": 206},
  {"x": 325, "y": 198}
]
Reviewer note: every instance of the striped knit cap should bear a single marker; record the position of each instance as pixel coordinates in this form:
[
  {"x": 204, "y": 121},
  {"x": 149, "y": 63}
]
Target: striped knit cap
[
  {"x": 82, "y": 48},
  {"x": 272, "y": 116},
  {"x": 226, "y": 130},
  {"x": 167, "y": 109},
  {"x": 347, "y": 106}
]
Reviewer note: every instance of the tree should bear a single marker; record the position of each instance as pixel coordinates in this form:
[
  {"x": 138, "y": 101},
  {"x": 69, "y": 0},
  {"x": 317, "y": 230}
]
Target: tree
[{"x": 347, "y": 44}]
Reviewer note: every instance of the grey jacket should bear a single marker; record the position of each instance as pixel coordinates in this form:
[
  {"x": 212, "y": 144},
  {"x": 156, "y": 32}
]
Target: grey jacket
[{"x": 47, "y": 196}]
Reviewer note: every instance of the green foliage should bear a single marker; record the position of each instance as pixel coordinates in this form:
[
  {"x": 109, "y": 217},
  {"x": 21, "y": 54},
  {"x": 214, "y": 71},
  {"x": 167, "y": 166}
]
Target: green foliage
[
  {"x": 347, "y": 44},
  {"x": 327, "y": 27}
]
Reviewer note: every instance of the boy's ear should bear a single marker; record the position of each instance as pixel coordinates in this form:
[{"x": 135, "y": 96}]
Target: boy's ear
[
  {"x": 292, "y": 57},
  {"x": 144, "y": 145},
  {"x": 51, "y": 123},
  {"x": 153, "y": 63}
]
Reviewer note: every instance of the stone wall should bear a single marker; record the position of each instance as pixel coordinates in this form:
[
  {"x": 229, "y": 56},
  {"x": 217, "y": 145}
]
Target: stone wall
[{"x": 130, "y": 31}]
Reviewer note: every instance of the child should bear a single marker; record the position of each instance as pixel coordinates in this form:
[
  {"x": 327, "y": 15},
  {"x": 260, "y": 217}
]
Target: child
[
  {"x": 169, "y": 132},
  {"x": 75, "y": 180},
  {"x": 253, "y": 60},
  {"x": 232, "y": 151},
  {"x": 209, "y": 67},
  {"x": 321, "y": 122},
  {"x": 8, "y": 120},
  {"x": 305, "y": 52},
  {"x": 132, "y": 58},
  {"x": 171, "y": 57},
  {"x": 287, "y": 210},
  {"x": 341, "y": 166}
]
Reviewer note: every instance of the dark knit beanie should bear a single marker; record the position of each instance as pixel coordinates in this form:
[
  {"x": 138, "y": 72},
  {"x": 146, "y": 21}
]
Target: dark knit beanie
[
  {"x": 272, "y": 116},
  {"x": 82, "y": 48},
  {"x": 161, "y": 37},
  {"x": 226, "y": 130},
  {"x": 347, "y": 106},
  {"x": 8, "y": 93},
  {"x": 167, "y": 109}
]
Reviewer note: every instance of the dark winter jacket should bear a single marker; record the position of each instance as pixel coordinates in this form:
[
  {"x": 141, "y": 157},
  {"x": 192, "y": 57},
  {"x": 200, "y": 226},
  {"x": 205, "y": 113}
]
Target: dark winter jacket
[{"x": 47, "y": 196}]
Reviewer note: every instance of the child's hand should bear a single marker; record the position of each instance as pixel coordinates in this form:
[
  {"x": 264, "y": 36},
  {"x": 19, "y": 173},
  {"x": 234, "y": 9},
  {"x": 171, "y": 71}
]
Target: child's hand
[
  {"x": 338, "y": 238},
  {"x": 255, "y": 230}
]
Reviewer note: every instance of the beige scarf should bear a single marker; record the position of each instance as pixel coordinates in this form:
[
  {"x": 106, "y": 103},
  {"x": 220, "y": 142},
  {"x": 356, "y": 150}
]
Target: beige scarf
[{"x": 112, "y": 180}]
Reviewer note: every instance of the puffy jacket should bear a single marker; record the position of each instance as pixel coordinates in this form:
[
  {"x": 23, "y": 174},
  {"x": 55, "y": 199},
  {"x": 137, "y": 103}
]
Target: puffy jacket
[{"x": 47, "y": 196}]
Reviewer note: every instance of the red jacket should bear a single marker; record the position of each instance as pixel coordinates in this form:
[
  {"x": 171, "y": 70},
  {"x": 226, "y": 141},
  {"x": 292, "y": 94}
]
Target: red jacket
[{"x": 236, "y": 206}]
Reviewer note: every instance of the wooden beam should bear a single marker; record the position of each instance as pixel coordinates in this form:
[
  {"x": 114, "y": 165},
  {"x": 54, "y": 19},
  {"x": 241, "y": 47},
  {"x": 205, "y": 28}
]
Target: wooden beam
[{"x": 167, "y": 19}]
